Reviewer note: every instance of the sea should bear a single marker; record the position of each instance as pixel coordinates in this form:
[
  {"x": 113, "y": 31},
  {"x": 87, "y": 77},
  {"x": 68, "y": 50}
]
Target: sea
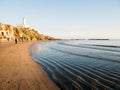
[{"x": 80, "y": 64}]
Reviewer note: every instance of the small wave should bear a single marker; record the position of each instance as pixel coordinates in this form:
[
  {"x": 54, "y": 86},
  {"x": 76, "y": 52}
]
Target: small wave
[
  {"x": 65, "y": 74},
  {"x": 107, "y": 46},
  {"x": 99, "y": 58},
  {"x": 89, "y": 47}
]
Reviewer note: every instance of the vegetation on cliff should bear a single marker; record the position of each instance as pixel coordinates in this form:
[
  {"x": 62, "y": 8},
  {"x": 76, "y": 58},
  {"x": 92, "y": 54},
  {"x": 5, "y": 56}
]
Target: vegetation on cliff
[{"x": 21, "y": 33}]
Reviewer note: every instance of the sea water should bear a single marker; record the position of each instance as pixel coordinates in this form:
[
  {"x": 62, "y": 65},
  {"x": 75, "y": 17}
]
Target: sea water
[{"x": 80, "y": 64}]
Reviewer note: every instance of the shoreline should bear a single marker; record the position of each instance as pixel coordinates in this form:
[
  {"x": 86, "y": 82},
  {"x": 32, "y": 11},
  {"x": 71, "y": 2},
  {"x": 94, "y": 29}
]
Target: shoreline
[{"x": 18, "y": 71}]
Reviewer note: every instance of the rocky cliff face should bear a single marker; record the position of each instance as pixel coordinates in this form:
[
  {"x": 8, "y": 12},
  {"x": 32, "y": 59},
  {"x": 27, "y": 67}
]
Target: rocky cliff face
[{"x": 11, "y": 32}]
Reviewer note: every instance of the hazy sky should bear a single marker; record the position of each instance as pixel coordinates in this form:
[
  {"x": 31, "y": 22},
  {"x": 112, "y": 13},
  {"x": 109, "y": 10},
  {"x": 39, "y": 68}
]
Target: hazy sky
[{"x": 65, "y": 18}]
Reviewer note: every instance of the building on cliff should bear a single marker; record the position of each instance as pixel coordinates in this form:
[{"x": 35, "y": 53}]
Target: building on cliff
[
  {"x": 8, "y": 32},
  {"x": 23, "y": 25},
  {"x": 20, "y": 32}
]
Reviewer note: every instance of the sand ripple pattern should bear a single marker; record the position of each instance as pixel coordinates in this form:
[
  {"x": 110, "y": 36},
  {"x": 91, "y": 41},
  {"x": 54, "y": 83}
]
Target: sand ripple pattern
[{"x": 80, "y": 66}]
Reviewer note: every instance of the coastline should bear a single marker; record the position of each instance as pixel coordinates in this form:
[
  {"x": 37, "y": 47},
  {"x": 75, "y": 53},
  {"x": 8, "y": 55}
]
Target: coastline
[{"x": 19, "y": 72}]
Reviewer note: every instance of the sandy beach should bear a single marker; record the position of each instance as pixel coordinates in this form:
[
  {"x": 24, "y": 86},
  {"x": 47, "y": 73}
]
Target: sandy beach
[{"x": 19, "y": 72}]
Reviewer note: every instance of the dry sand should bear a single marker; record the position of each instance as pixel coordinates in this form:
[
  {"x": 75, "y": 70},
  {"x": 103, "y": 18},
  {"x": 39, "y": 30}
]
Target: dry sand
[{"x": 19, "y": 72}]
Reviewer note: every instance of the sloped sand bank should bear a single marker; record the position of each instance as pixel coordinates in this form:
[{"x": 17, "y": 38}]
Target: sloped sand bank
[{"x": 19, "y": 72}]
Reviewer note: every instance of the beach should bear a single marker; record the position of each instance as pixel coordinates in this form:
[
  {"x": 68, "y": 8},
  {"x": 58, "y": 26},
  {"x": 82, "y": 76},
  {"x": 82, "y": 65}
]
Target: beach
[{"x": 19, "y": 72}]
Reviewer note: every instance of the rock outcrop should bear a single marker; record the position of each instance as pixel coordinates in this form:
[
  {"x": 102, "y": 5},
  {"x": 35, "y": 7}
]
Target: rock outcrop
[{"x": 10, "y": 32}]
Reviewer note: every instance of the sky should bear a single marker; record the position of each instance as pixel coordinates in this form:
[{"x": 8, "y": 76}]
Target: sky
[{"x": 65, "y": 18}]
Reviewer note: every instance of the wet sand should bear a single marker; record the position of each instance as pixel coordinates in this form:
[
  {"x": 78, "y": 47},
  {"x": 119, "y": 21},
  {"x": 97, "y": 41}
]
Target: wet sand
[{"x": 19, "y": 72}]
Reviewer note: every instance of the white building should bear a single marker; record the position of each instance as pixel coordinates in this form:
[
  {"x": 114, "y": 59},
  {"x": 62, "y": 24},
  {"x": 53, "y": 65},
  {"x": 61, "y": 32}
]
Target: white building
[{"x": 23, "y": 25}]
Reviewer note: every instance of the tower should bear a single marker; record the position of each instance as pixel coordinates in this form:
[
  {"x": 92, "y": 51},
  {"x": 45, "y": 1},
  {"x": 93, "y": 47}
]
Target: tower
[
  {"x": 24, "y": 21},
  {"x": 23, "y": 25}
]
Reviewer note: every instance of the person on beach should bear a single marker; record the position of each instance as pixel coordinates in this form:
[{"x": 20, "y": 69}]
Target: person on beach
[
  {"x": 8, "y": 39},
  {"x": 15, "y": 41}
]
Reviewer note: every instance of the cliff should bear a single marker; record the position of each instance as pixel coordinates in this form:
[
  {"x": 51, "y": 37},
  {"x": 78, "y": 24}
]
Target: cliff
[{"x": 11, "y": 32}]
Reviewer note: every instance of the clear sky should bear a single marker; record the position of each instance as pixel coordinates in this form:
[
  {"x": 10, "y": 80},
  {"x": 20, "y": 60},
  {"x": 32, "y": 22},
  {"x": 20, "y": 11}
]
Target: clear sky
[{"x": 65, "y": 18}]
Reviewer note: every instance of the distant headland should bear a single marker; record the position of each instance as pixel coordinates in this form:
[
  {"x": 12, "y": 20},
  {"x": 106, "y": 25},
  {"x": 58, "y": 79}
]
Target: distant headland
[{"x": 98, "y": 39}]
